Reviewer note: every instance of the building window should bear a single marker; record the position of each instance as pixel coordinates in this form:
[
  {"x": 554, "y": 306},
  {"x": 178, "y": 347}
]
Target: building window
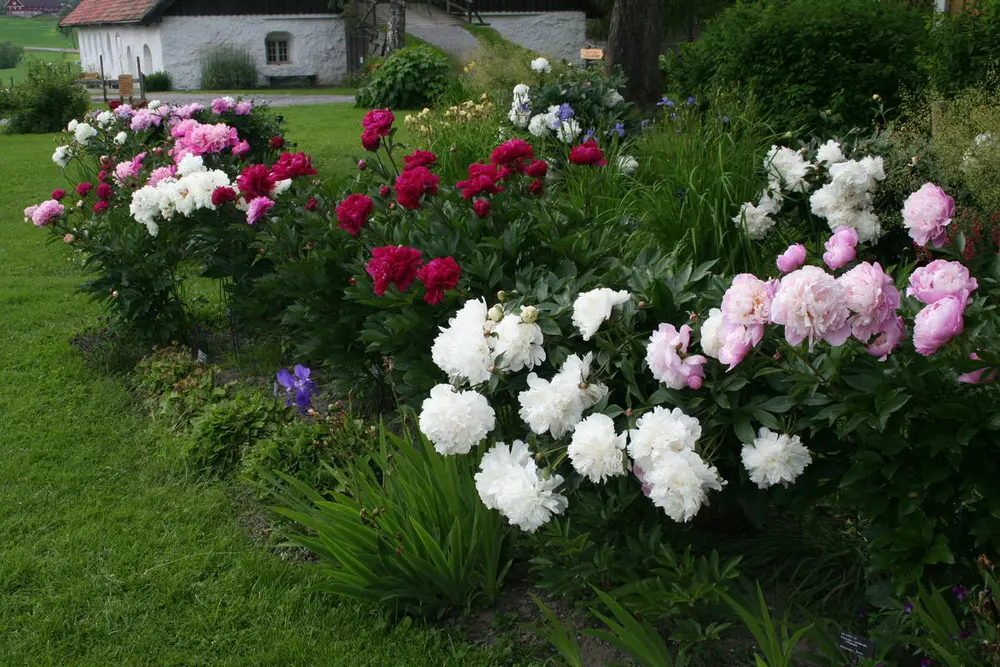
[{"x": 277, "y": 48}]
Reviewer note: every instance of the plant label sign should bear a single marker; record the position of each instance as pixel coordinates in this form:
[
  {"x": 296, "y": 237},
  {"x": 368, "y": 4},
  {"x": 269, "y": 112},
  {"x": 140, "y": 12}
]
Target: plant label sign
[
  {"x": 202, "y": 357},
  {"x": 591, "y": 54},
  {"x": 126, "y": 86},
  {"x": 856, "y": 645}
]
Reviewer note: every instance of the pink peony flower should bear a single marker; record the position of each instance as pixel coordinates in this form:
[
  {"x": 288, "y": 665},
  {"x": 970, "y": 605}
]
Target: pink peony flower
[
  {"x": 665, "y": 360},
  {"x": 887, "y": 338},
  {"x": 161, "y": 174},
  {"x": 126, "y": 170},
  {"x": 792, "y": 258},
  {"x": 481, "y": 207},
  {"x": 389, "y": 265},
  {"x": 241, "y": 149},
  {"x": 244, "y": 108},
  {"x": 937, "y": 324},
  {"x": 221, "y": 105},
  {"x": 841, "y": 249},
  {"x": 927, "y": 213},
  {"x": 58, "y": 194},
  {"x": 29, "y": 213},
  {"x": 976, "y": 376},
  {"x": 202, "y": 139},
  {"x": 438, "y": 275},
  {"x": 101, "y": 206},
  {"x": 353, "y": 212},
  {"x": 747, "y": 303},
  {"x": 83, "y": 189},
  {"x": 811, "y": 304},
  {"x": 872, "y": 296},
  {"x": 144, "y": 119},
  {"x": 186, "y": 111},
  {"x": 939, "y": 279},
  {"x": 379, "y": 121},
  {"x": 258, "y": 208},
  {"x": 46, "y": 212}
]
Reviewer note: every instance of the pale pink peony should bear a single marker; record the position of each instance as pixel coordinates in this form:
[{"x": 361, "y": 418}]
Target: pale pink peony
[
  {"x": 243, "y": 108},
  {"x": 887, "y": 338},
  {"x": 872, "y": 296},
  {"x": 792, "y": 258},
  {"x": 258, "y": 208},
  {"x": 976, "y": 376},
  {"x": 221, "y": 105},
  {"x": 937, "y": 324},
  {"x": 46, "y": 212},
  {"x": 127, "y": 170},
  {"x": 184, "y": 127},
  {"x": 29, "y": 213},
  {"x": 145, "y": 119},
  {"x": 927, "y": 214},
  {"x": 735, "y": 344},
  {"x": 841, "y": 249},
  {"x": 161, "y": 174},
  {"x": 69, "y": 238},
  {"x": 939, "y": 279},
  {"x": 205, "y": 139},
  {"x": 747, "y": 303},
  {"x": 664, "y": 356},
  {"x": 811, "y": 304}
]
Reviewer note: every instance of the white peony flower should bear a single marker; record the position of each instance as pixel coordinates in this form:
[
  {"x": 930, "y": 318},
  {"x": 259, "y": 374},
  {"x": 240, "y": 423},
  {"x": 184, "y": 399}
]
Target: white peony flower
[
  {"x": 846, "y": 201},
  {"x": 774, "y": 458},
  {"x": 613, "y": 99},
  {"x": 679, "y": 483},
  {"x": 280, "y": 187},
  {"x": 83, "y": 133},
  {"x": 659, "y": 432},
  {"x": 509, "y": 481},
  {"x": 596, "y": 451},
  {"x": 592, "y": 308},
  {"x": 154, "y": 105},
  {"x": 464, "y": 349},
  {"x": 540, "y": 125},
  {"x": 711, "y": 333},
  {"x": 787, "y": 169},
  {"x": 190, "y": 164},
  {"x": 568, "y": 131},
  {"x": 627, "y": 164},
  {"x": 105, "y": 118},
  {"x": 120, "y": 138},
  {"x": 520, "y": 106},
  {"x": 557, "y": 405},
  {"x": 541, "y": 65},
  {"x": 61, "y": 156},
  {"x": 455, "y": 421},
  {"x": 73, "y": 124},
  {"x": 830, "y": 153},
  {"x": 754, "y": 220},
  {"x": 519, "y": 342}
]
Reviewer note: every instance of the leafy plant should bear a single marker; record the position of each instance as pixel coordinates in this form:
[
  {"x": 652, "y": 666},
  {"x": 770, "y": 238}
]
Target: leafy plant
[
  {"x": 408, "y": 533},
  {"x": 226, "y": 430},
  {"x": 46, "y": 100},
  {"x": 228, "y": 67},
  {"x": 639, "y": 639},
  {"x": 773, "y": 639},
  {"x": 157, "y": 82},
  {"x": 10, "y": 55},
  {"x": 411, "y": 77},
  {"x": 963, "y": 50}
]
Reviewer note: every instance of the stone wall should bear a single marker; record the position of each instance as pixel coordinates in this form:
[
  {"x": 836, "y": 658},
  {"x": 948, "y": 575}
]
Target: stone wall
[{"x": 558, "y": 35}]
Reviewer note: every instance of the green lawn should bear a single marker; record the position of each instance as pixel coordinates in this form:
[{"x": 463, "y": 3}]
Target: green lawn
[
  {"x": 18, "y": 73},
  {"x": 39, "y": 32},
  {"x": 110, "y": 554}
]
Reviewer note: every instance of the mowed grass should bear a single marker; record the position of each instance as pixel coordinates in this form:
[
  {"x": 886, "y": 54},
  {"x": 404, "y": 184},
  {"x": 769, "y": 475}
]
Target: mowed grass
[
  {"x": 39, "y": 32},
  {"x": 17, "y": 74},
  {"x": 110, "y": 554}
]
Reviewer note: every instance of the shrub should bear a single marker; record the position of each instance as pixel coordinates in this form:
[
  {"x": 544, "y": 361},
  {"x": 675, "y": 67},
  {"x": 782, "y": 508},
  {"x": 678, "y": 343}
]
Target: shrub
[
  {"x": 411, "y": 77},
  {"x": 802, "y": 57},
  {"x": 158, "y": 82},
  {"x": 10, "y": 55},
  {"x": 409, "y": 532},
  {"x": 46, "y": 100},
  {"x": 225, "y": 431},
  {"x": 227, "y": 67},
  {"x": 964, "y": 49}
]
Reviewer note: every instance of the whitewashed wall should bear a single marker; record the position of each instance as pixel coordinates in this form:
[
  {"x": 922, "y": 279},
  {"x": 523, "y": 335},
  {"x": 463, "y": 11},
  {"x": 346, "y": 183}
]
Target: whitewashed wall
[
  {"x": 317, "y": 45},
  {"x": 115, "y": 43},
  {"x": 558, "y": 35}
]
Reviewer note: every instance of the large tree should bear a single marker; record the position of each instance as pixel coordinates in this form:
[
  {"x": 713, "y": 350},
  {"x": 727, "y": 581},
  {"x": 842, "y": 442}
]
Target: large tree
[
  {"x": 396, "y": 31},
  {"x": 634, "y": 46}
]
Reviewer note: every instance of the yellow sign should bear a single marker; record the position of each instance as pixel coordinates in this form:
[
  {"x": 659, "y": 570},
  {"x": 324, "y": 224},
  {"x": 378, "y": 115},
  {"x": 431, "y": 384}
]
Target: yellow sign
[
  {"x": 592, "y": 54},
  {"x": 126, "y": 86}
]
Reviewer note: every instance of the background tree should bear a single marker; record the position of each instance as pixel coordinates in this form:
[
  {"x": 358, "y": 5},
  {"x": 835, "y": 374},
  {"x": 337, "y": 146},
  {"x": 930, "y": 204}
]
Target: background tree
[
  {"x": 634, "y": 46},
  {"x": 396, "y": 32}
]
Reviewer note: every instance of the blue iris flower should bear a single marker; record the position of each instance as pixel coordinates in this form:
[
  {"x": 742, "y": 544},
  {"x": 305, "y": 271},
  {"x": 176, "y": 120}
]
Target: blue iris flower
[{"x": 298, "y": 387}]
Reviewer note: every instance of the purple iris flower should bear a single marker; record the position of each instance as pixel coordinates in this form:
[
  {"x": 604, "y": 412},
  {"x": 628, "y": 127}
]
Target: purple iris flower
[
  {"x": 665, "y": 102},
  {"x": 644, "y": 125},
  {"x": 587, "y": 137},
  {"x": 297, "y": 386},
  {"x": 960, "y": 592},
  {"x": 565, "y": 112},
  {"x": 690, "y": 100},
  {"x": 926, "y": 662},
  {"x": 618, "y": 129},
  {"x": 907, "y": 607}
]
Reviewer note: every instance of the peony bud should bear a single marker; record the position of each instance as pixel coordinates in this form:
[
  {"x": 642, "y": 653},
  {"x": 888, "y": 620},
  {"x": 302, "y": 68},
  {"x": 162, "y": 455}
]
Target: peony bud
[
  {"x": 628, "y": 412},
  {"x": 352, "y": 282},
  {"x": 692, "y": 317},
  {"x": 454, "y": 149},
  {"x": 876, "y": 97},
  {"x": 69, "y": 238},
  {"x": 361, "y": 165},
  {"x": 114, "y": 294},
  {"x": 501, "y": 295},
  {"x": 317, "y": 182},
  {"x": 495, "y": 314},
  {"x": 642, "y": 304},
  {"x": 529, "y": 314}
]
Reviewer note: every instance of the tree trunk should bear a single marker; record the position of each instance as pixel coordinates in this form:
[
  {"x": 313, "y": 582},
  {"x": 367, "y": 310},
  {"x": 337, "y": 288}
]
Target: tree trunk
[
  {"x": 634, "y": 46},
  {"x": 396, "y": 32}
]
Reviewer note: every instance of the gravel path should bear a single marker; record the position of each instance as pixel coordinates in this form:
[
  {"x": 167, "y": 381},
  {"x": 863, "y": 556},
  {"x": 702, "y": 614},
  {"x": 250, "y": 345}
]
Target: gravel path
[{"x": 258, "y": 98}]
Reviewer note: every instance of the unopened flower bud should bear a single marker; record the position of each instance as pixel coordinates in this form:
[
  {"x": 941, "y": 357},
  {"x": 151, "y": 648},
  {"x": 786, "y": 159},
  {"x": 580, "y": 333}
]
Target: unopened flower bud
[
  {"x": 529, "y": 314},
  {"x": 114, "y": 294},
  {"x": 317, "y": 182},
  {"x": 352, "y": 282},
  {"x": 642, "y": 304},
  {"x": 777, "y": 356},
  {"x": 692, "y": 317},
  {"x": 495, "y": 314},
  {"x": 392, "y": 205},
  {"x": 69, "y": 238},
  {"x": 582, "y": 385},
  {"x": 628, "y": 412},
  {"x": 501, "y": 295},
  {"x": 454, "y": 149},
  {"x": 361, "y": 165},
  {"x": 876, "y": 97}
]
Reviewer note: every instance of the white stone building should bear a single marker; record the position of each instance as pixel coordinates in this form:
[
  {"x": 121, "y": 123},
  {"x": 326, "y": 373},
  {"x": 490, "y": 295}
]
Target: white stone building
[{"x": 286, "y": 38}]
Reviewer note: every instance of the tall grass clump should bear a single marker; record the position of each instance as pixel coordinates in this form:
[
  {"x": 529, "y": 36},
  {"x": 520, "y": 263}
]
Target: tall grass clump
[
  {"x": 227, "y": 67},
  {"x": 158, "y": 82}
]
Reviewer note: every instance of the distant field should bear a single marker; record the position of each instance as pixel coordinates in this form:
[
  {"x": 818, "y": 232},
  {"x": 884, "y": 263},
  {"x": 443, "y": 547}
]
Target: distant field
[
  {"x": 18, "y": 73},
  {"x": 34, "y": 32}
]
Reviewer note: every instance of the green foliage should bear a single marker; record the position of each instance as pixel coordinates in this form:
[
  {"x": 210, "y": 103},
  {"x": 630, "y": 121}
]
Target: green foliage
[
  {"x": 408, "y": 533},
  {"x": 774, "y": 640},
  {"x": 639, "y": 639},
  {"x": 157, "y": 82},
  {"x": 10, "y": 55},
  {"x": 802, "y": 57},
  {"x": 46, "y": 100},
  {"x": 411, "y": 77},
  {"x": 964, "y": 49},
  {"x": 177, "y": 385},
  {"x": 497, "y": 65},
  {"x": 226, "y": 430},
  {"x": 227, "y": 67}
]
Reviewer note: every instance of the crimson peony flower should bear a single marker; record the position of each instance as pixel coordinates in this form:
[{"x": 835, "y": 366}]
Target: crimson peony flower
[
  {"x": 101, "y": 206},
  {"x": 276, "y": 142},
  {"x": 104, "y": 191},
  {"x": 103, "y": 177},
  {"x": 587, "y": 154},
  {"x": 378, "y": 120},
  {"x": 537, "y": 168},
  {"x": 384, "y": 191},
  {"x": 481, "y": 207},
  {"x": 536, "y": 186},
  {"x": 222, "y": 195},
  {"x": 312, "y": 204},
  {"x": 114, "y": 104},
  {"x": 393, "y": 265},
  {"x": 413, "y": 183},
  {"x": 255, "y": 181},
  {"x": 58, "y": 194},
  {"x": 438, "y": 275},
  {"x": 482, "y": 179},
  {"x": 419, "y": 159},
  {"x": 292, "y": 166},
  {"x": 83, "y": 189},
  {"x": 353, "y": 212},
  {"x": 512, "y": 154},
  {"x": 370, "y": 140}
]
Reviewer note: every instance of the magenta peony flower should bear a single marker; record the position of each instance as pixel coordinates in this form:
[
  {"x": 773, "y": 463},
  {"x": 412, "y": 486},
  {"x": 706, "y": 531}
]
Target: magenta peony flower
[
  {"x": 872, "y": 296},
  {"x": 221, "y": 105},
  {"x": 46, "y": 212},
  {"x": 887, "y": 338},
  {"x": 812, "y": 305},
  {"x": 438, "y": 275},
  {"x": 258, "y": 208},
  {"x": 244, "y": 108},
  {"x": 937, "y": 324},
  {"x": 939, "y": 279},
  {"x": 747, "y": 303},
  {"x": 241, "y": 149},
  {"x": 927, "y": 213},
  {"x": 481, "y": 207},
  {"x": 792, "y": 258},
  {"x": 665, "y": 360},
  {"x": 389, "y": 265},
  {"x": 841, "y": 249},
  {"x": 976, "y": 376}
]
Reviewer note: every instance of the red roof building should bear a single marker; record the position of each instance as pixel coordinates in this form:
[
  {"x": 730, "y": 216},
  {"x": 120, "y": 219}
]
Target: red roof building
[{"x": 32, "y": 8}]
